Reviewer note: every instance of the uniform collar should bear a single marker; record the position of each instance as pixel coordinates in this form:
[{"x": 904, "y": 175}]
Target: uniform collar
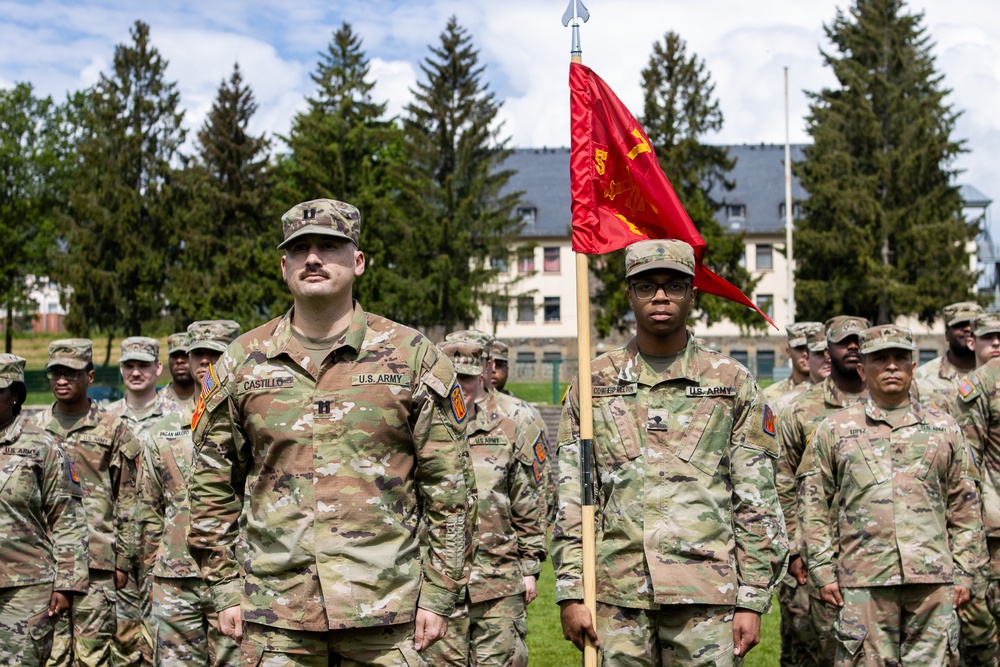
[
  {"x": 685, "y": 367},
  {"x": 487, "y": 414},
  {"x": 285, "y": 342},
  {"x": 832, "y": 395},
  {"x": 90, "y": 420},
  {"x": 12, "y": 432},
  {"x": 914, "y": 415}
]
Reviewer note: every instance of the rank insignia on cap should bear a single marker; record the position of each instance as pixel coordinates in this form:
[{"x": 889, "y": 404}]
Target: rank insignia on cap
[
  {"x": 768, "y": 424},
  {"x": 965, "y": 387},
  {"x": 457, "y": 403},
  {"x": 540, "y": 451},
  {"x": 199, "y": 410}
]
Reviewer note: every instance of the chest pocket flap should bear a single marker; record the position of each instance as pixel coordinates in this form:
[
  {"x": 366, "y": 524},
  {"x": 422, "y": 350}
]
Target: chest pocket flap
[
  {"x": 619, "y": 419},
  {"x": 869, "y": 471},
  {"x": 706, "y": 437},
  {"x": 8, "y": 468}
]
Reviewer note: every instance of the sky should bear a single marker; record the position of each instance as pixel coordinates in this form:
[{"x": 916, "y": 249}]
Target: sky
[{"x": 64, "y": 45}]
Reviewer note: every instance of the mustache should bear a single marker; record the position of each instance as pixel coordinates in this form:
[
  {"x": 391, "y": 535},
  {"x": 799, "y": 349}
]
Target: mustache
[{"x": 314, "y": 271}]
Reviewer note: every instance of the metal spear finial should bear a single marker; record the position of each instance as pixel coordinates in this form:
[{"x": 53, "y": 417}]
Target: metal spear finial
[{"x": 576, "y": 13}]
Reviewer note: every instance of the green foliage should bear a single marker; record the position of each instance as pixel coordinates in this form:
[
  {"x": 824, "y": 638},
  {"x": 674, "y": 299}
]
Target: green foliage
[
  {"x": 120, "y": 226},
  {"x": 229, "y": 266},
  {"x": 679, "y": 109},
  {"x": 29, "y": 197},
  {"x": 883, "y": 233},
  {"x": 455, "y": 155}
]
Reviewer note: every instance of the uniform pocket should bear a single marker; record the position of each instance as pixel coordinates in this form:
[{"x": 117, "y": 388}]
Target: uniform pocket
[
  {"x": 849, "y": 635},
  {"x": 615, "y": 432},
  {"x": 706, "y": 437}
]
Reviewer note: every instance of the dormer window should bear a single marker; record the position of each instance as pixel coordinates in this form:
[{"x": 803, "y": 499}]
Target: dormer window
[
  {"x": 736, "y": 211},
  {"x": 527, "y": 214}
]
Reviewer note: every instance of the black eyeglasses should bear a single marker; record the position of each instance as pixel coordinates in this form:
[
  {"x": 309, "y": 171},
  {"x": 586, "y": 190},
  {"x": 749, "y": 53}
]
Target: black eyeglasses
[
  {"x": 69, "y": 376},
  {"x": 645, "y": 290}
]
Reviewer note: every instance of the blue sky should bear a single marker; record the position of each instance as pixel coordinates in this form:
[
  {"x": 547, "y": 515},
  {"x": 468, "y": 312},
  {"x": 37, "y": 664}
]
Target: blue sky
[{"x": 62, "y": 45}]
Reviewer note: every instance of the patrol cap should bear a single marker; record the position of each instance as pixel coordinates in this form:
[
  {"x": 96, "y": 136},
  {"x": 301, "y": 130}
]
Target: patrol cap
[
  {"x": 985, "y": 323},
  {"x": 840, "y": 327},
  {"x": 501, "y": 352},
  {"x": 140, "y": 348},
  {"x": 328, "y": 217},
  {"x": 963, "y": 311},
  {"x": 659, "y": 254},
  {"x": 816, "y": 339},
  {"x": 886, "y": 337},
  {"x": 797, "y": 333},
  {"x": 475, "y": 336},
  {"x": 467, "y": 356},
  {"x": 178, "y": 342},
  {"x": 212, "y": 335},
  {"x": 75, "y": 353},
  {"x": 11, "y": 370}
]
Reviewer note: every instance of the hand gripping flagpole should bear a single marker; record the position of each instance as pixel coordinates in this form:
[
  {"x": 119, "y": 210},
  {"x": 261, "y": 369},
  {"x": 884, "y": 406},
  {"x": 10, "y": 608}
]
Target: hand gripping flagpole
[{"x": 576, "y": 13}]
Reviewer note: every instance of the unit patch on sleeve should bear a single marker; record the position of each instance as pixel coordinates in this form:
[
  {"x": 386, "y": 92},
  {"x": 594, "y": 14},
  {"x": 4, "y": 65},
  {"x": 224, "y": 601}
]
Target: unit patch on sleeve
[
  {"x": 199, "y": 410},
  {"x": 457, "y": 403},
  {"x": 536, "y": 469},
  {"x": 540, "y": 454},
  {"x": 965, "y": 387},
  {"x": 769, "y": 425}
]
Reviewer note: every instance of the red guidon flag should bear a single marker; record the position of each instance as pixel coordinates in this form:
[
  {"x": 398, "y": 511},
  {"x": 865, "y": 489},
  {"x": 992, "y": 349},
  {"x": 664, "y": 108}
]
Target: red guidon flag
[{"x": 620, "y": 193}]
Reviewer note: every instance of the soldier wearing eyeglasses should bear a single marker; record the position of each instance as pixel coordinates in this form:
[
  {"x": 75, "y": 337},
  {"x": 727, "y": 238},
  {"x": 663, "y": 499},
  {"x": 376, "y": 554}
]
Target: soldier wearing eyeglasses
[
  {"x": 690, "y": 538},
  {"x": 104, "y": 454}
]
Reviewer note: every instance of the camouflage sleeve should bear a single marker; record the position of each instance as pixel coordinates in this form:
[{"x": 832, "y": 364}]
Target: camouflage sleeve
[
  {"x": 62, "y": 503},
  {"x": 151, "y": 507},
  {"x": 215, "y": 491},
  {"x": 129, "y": 450},
  {"x": 446, "y": 483},
  {"x": 758, "y": 526},
  {"x": 817, "y": 483},
  {"x": 788, "y": 463},
  {"x": 971, "y": 407},
  {"x": 526, "y": 481},
  {"x": 567, "y": 547},
  {"x": 551, "y": 487},
  {"x": 965, "y": 516}
]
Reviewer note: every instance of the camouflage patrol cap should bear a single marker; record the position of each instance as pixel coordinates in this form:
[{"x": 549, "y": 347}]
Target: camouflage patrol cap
[
  {"x": 500, "y": 350},
  {"x": 328, "y": 217},
  {"x": 75, "y": 353},
  {"x": 659, "y": 254},
  {"x": 963, "y": 311},
  {"x": 178, "y": 342},
  {"x": 985, "y": 323},
  {"x": 467, "y": 356},
  {"x": 797, "y": 333},
  {"x": 11, "y": 370},
  {"x": 140, "y": 348},
  {"x": 212, "y": 335},
  {"x": 886, "y": 337},
  {"x": 816, "y": 339},
  {"x": 475, "y": 336},
  {"x": 840, "y": 327}
]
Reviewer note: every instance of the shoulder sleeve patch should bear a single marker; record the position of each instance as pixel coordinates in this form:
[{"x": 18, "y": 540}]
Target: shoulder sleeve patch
[
  {"x": 769, "y": 422},
  {"x": 72, "y": 480},
  {"x": 457, "y": 402},
  {"x": 440, "y": 376},
  {"x": 966, "y": 388}
]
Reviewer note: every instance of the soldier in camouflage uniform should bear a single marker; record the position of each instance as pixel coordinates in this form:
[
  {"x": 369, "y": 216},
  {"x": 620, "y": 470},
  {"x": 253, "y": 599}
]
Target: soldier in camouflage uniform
[
  {"x": 104, "y": 453},
  {"x": 984, "y": 342},
  {"x": 489, "y": 626},
  {"x": 141, "y": 406},
  {"x": 181, "y": 389},
  {"x": 818, "y": 359},
  {"x": 337, "y": 434},
  {"x": 690, "y": 537},
  {"x": 937, "y": 379},
  {"x": 780, "y": 393},
  {"x": 908, "y": 535},
  {"x": 183, "y": 627},
  {"x": 814, "y": 643},
  {"x": 43, "y": 531}
]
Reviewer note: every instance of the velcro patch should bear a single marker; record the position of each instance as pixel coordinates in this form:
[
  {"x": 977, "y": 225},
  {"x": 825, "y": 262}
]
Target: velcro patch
[
  {"x": 172, "y": 435},
  {"x": 965, "y": 387},
  {"x": 402, "y": 379},
  {"x": 209, "y": 383},
  {"x": 72, "y": 471},
  {"x": 274, "y": 382},
  {"x": 536, "y": 469},
  {"x": 199, "y": 410},
  {"x": 615, "y": 390},
  {"x": 488, "y": 440},
  {"x": 84, "y": 437},
  {"x": 697, "y": 392},
  {"x": 769, "y": 421},
  {"x": 457, "y": 403},
  {"x": 540, "y": 454}
]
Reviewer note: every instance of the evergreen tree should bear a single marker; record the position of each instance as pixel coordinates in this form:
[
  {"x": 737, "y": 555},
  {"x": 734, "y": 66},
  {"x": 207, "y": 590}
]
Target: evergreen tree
[
  {"x": 229, "y": 266},
  {"x": 883, "y": 233},
  {"x": 456, "y": 154},
  {"x": 28, "y": 198},
  {"x": 342, "y": 148},
  {"x": 679, "y": 109},
  {"x": 120, "y": 235}
]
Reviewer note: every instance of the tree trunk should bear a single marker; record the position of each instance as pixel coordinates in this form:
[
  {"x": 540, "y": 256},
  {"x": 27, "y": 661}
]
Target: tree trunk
[
  {"x": 107, "y": 350},
  {"x": 9, "y": 334}
]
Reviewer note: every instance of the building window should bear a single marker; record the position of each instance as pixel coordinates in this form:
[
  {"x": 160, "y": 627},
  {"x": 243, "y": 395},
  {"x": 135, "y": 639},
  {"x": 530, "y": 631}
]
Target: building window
[
  {"x": 765, "y": 257},
  {"x": 926, "y": 355},
  {"x": 551, "y": 262},
  {"x": 766, "y": 303},
  {"x": 527, "y": 214},
  {"x": 552, "y": 309},
  {"x": 552, "y": 355},
  {"x": 499, "y": 264},
  {"x": 765, "y": 363},
  {"x": 526, "y": 262},
  {"x": 500, "y": 312},
  {"x": 53, "y": 307},
  {"x": 525, "y": 309},
  {"x": 525, "y": 357},
  {"x": 796, "y": 211},
  {"x": 736, "y": 211},
  {"x": 740, "y": 356}
]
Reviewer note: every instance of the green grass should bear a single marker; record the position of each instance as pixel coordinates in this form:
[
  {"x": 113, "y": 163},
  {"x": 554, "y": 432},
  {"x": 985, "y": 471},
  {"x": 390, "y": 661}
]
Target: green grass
[
  {"x": 536, "y": 392},
  {"x": 547, "y": 648}
]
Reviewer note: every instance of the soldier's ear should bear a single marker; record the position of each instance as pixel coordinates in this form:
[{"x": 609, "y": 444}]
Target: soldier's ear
[{"x": 359, "y": 263}]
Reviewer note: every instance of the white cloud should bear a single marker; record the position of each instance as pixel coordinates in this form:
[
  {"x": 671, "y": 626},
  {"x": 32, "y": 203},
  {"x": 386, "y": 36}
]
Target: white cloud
[{"x": 393, "y": 81}]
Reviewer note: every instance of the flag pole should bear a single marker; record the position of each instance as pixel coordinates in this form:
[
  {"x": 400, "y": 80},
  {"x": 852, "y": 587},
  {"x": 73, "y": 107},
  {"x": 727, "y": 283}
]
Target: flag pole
[
  {"x": 576, "y": 13},
  {"x": 789, "y": 256}
]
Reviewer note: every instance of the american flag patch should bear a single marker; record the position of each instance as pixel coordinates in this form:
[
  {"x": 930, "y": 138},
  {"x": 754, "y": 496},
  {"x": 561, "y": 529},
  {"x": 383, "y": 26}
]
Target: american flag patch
[
  {"x": 209, "y": 383},
  {"x": 965, "y": 387}
]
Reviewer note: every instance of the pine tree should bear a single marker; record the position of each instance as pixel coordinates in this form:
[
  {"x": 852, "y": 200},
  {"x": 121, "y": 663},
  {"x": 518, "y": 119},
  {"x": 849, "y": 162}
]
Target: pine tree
[
  {"x": 883, "y": 233},
  {"x": 342, "y": 148},
  {"x": 456, "y": 155},
  {"x": 120, "y": 234},
  {"x": 29, "y": 193},
  {"x": 679, "y": 109},
  {"x": 229, "y": 266}
]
